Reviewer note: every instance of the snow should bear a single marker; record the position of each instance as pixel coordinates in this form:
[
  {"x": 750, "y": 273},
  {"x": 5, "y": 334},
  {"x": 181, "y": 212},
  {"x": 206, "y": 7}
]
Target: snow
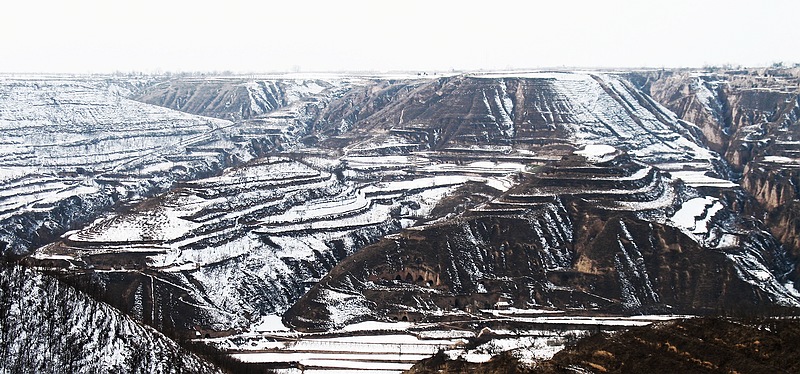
[
  {"x": 52, "y": 256},
  {"x": 10, "y": 173},
  {"x": 376, "y": 326},
  {"x": 391, "y": 339},
  {"x": 400, "y": 344},
  {"x": 365, "y": 352},
  {"x": 700, "y": 179},
  {"x": 695, "y": 215},
  {"x": 62, "y": 138},
  {"x": 781, "y": 160},
  {"x": 419, "y": 183},
  {"x": 526, "y": 345},
  {"x": 618, "y": 120},
  {"x": 50, "y": 328},
  {"x": 445, "y": 334},
  {"x": 516, "y": 311},
  {"x": 597, "y": 152},
  {"x": 342, "y": 307},
  {"x": 366, "y": 361},
  {"x": 298, "y": 209},
  {"x": 792, "y": 289},
  {"x": 750, "y": 268},
  {"x": 590, "y": 321},
  {"x": 478, "y": 167},
  {"x": 353, "y": 203},
  {"x": 728, "y": 240},
  {"x": 158, "y": 225},
  {"x": 188, "y": 266},
  {"x": 269, "y": 323},
  {"x": 367, "y": 162},
  {"x": 500, "y": 184}
]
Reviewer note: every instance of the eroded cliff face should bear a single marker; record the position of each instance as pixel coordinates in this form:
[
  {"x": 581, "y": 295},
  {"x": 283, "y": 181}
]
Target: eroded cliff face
[
  {"x": 753, "y": 119},
  {"x": 703, "y": 103},
  {"x": 547, "y": 113},
  {"x": 741, "y": 113},
  {"x": 613, "y": 236}
]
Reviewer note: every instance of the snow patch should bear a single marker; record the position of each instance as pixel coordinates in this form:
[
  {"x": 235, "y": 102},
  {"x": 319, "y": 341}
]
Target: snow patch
[
  {"x": 695, "y": 215},
  {"x": 269, "y": 323},
  {"x": 597, "y": 152},
  {"x": 781, "y": 160},
  {"x": 376, "y": 326},
  {"x": 700, "y": 179}
]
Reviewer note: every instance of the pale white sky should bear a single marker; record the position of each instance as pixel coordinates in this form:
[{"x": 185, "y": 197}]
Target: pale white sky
[{"x": 81, "y": 36}]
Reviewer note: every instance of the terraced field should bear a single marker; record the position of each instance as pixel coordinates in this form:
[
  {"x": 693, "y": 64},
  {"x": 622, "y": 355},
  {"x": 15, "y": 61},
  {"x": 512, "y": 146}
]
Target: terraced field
[{"x": 284, "y": 220}]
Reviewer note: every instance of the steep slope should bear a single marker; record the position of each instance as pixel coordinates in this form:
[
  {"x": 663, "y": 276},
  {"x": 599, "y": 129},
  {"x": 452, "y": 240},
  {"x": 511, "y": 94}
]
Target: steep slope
[
  {"x": 612, "y": 235},
  {"x": 570, "y": 191},
  {"x": 289, "y": 219},
  {"x": 744, "y": 115},
  {"x": 47, "y": 327}
]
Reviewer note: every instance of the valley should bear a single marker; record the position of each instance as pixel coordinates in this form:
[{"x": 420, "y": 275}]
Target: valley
[{"x": 365, "y": 222}]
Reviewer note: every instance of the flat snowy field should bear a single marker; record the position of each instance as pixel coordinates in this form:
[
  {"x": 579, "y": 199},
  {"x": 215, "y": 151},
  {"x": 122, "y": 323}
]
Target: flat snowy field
[{"x": 395, "y": 346}]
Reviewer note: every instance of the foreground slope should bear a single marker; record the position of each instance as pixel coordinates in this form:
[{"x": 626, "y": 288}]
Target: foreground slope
[
  {"x": 703, "y": 345},
  {"x": 47, "y": 327}
]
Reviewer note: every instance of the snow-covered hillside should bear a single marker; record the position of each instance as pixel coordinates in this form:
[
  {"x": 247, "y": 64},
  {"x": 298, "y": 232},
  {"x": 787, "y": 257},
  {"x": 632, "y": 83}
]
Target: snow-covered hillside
[
  {"x": 752, "y": 117},
  {"x": 71, "y": 147}
]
